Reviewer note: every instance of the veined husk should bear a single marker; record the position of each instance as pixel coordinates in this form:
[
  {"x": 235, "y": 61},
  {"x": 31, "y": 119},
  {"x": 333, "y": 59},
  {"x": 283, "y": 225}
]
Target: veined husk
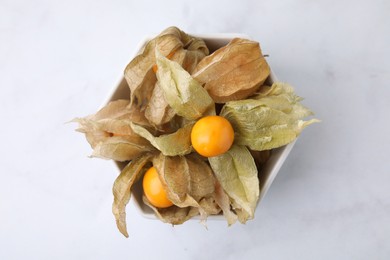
[
  {"x": 110, "y": 134},
  {"x": 192, "y": 187},
  {"x": 223, "y": 201},
  {"x": 177, "y": 143},
  {"x": 178, "y": 215},
  {"x": 183, "y": 93},
  {"x": 187, "y": 179},
  {"x": 268, "y": 120},
  {"x": 158, "y": 112},
  {"x": 237, "y": 173},
  {"x": 234, "y": 71},
  {"x": 173, "y": 215},
  {"x": 122, "y": 189},
  {"x": 141, "y": 78}
]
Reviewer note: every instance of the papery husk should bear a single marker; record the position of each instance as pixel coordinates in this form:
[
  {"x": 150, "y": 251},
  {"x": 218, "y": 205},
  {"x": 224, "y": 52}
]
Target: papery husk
[
  {"x": 178, "y": 215},
  {"x": 234, "y": 71},
  {"x": 187, "y": 179},
  {"x": 121, "y": 148},
  {"x": 177, "y": 143},
  {"x": 110, "y": 135},
  {"x": 281, "y": 96},
  {"x": 237, "y": 173},
  {"x": 242, "y": 215},
  {"x": 122, "y": 189},
  {"x": 210, "y": 205},
  {"x": 270, "y": 121},
  {"x": 183, "y": 94},
  {"x": 223, "y": 201},
  {"x": 158, "y": 111},
  {"x": 174, "y": 214},
  {"x": 141, "y": 78},
  {"x": 201, "y": 177}
]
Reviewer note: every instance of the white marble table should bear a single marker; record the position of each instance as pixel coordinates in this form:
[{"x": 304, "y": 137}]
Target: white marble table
[{"x": 59, "y": 59}]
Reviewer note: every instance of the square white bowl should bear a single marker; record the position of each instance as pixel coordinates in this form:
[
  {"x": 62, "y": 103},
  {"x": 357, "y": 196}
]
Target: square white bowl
[{"x": 270, "y": 169}]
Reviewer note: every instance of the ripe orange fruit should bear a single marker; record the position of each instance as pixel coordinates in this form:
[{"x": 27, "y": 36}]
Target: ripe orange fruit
[
  {"x": 154, "y": 190},
  {"x": 212, "y": 136}
]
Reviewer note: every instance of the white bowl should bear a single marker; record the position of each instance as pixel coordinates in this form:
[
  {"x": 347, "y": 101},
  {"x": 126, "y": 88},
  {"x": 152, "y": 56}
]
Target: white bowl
[{"x": 272, "y": 166}]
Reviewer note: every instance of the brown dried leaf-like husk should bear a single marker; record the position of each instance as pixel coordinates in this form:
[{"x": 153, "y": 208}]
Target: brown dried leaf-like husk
[
  {"x": 121, "y": 148},
  {"x": 223, "y": 201},
  {"x": 187, "y": 179},
  {"x": 202, "y": 178},
  {"x": 177, "y": 215},
  {"x": 174, "y": 214},
  {"x": 110, "y": 135},
  {"x": 234, "y": 71},
  {"x": 122, "y": 189},
  {"x": 242, "y": 215},
  {"x": 141, "y": 78},
  {"x": 210, "y": 205},
  {"x": 158, "y": 111}
]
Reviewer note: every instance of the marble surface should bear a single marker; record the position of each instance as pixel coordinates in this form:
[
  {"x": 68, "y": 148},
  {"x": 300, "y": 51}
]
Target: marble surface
[{"x": 60, "y": 59}]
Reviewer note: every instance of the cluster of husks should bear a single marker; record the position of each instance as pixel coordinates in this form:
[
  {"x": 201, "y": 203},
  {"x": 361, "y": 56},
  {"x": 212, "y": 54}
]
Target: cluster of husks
[{"x": 174, "y": 81}]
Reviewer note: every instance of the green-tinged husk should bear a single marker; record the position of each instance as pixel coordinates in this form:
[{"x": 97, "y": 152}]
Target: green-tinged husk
[
  {"x": 237, "y": 173},
  {"x": 268, "y": 121},
  {"x": 183, "y": 93},
  {"x": 177, "y": 143}
]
